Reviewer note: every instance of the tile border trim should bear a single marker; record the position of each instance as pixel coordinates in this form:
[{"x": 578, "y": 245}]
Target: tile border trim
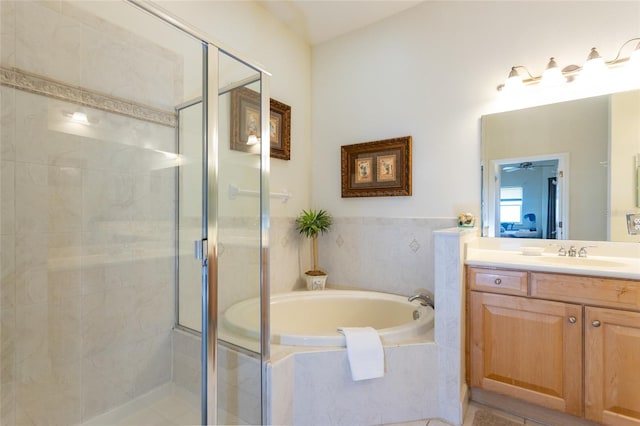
[{"x": 23, "y": 80}]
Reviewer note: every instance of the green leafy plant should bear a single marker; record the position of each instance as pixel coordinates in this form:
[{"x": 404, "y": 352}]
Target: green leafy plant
[{"x": 311, "y": 223}]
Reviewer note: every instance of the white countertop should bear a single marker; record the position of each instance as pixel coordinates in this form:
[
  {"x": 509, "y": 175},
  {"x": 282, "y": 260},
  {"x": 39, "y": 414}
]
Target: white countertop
[{"x": 602, "y": 266}]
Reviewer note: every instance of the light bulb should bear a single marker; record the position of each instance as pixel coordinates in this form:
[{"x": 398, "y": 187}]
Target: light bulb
[
  {"x": 514, "y": 81},
  {"x": 552, "y": 76},
  {"x": 594, "y": 66}
]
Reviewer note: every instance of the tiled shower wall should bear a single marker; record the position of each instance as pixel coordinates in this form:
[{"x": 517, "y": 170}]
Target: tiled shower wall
[{"x": 87, "y": 219}]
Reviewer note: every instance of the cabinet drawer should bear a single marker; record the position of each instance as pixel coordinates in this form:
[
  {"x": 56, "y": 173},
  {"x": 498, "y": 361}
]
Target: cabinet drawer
[
  {"x": 598, "y": 291},
  {"x": 498, "y": 280}
]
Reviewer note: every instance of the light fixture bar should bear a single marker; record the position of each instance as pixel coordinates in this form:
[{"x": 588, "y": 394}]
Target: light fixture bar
[{"x": 554, "y": 75}]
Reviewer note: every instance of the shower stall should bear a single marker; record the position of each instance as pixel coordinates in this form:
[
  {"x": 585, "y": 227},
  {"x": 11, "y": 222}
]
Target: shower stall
[{"x": 124, "y": 137}]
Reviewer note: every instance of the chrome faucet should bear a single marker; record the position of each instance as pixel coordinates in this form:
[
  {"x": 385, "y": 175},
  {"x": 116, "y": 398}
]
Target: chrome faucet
[
  {"x": 425, "y": 299},
  {"x": 572, "y": 251},
  {"x": 562, "y": 251}
]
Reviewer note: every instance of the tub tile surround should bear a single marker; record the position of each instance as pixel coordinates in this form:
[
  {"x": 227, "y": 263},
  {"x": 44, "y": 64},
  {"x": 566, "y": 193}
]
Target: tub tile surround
[
  {"x": 314, "y": 386},
  {"x": 450, "y": 322},
  {"x": 391, "y": 255},
  {"x": 326, "y": 394}
]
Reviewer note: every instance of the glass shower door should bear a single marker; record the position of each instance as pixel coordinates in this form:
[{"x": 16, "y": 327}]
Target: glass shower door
[
  {"x": 233, "y": 176},
  {"x": 241, "y": 260}
]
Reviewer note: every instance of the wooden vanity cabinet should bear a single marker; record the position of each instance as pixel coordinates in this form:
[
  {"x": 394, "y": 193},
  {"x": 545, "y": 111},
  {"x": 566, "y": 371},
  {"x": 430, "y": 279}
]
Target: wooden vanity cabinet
[
  {"x": 612, "y": 366},
  {"x": 528, "y": 349},
  {"x": 532, "y": 342}
]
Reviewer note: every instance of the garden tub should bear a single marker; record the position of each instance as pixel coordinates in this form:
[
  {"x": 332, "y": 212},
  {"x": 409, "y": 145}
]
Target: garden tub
[{"x": 312, "y": 318}]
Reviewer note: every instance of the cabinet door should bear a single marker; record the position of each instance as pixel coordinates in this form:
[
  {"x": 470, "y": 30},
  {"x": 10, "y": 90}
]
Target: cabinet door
[
  {"x": 528, "y": 349},
  {"x": 612, "y": 366}
]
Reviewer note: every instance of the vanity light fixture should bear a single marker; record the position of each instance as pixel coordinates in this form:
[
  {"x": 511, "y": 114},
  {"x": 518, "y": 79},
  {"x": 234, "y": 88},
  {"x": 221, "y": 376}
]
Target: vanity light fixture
[{"x": 554, "y": 76}]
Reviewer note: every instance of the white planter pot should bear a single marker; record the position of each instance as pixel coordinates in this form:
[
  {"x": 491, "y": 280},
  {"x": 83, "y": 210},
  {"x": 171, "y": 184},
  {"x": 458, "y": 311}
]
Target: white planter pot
[{"x": 316, "y": 282}]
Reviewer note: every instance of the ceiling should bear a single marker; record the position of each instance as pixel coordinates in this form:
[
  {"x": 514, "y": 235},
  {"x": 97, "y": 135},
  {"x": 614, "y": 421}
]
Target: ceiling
[{"x": 320, "y": 20}]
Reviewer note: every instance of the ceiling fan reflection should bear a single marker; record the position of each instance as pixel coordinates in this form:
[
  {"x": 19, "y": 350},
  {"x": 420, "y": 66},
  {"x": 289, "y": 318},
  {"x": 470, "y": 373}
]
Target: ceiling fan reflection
[{"x": 526, "y": 165}]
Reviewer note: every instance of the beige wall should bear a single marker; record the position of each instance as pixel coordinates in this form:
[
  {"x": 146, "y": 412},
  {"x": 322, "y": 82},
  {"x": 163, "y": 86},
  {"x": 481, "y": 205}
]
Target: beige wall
[{"x": 625, "y": 149}]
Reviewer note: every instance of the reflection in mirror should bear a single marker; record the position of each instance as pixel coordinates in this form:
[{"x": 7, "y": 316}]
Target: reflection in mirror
[
  {"x": 574, "y": 164},
  {"x": 528, "y": 199}
]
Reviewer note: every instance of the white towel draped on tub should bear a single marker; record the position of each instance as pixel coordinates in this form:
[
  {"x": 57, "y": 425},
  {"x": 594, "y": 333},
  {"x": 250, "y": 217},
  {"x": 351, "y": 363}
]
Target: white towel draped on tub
[{"x": 365, "y": 353}]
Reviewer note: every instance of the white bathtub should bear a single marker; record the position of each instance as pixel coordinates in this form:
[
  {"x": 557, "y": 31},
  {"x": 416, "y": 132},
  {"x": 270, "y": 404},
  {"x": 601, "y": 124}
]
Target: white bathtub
[{"x": 311, "y": 318}]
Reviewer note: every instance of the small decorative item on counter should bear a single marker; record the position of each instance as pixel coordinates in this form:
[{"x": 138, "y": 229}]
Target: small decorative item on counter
[{"x": 466, "y": 220}]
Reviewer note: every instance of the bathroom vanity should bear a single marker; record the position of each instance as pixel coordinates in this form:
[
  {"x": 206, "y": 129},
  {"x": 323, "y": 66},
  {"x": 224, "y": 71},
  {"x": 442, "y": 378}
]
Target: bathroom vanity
[{"x": 558, "y": 332}]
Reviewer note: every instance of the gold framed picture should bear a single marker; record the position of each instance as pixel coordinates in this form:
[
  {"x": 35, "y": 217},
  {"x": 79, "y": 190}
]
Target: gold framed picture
[
  {"x": 245, "y": 123},
  {"x": 377, "y": 169}
]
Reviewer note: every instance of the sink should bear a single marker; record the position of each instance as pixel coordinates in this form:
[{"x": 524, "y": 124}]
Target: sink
[{"x": 581, "y": 261}]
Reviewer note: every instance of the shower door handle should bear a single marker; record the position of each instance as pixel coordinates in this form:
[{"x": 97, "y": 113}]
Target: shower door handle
[{"x": 201, "y": 248}]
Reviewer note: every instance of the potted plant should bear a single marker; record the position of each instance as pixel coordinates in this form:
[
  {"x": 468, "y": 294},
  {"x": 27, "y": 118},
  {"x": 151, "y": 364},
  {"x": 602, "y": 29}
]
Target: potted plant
[{"x": 311, "y": 223}]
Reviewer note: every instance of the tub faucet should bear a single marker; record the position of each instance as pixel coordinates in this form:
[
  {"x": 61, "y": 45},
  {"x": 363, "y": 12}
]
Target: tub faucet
[{"x": 425, "y": 299}]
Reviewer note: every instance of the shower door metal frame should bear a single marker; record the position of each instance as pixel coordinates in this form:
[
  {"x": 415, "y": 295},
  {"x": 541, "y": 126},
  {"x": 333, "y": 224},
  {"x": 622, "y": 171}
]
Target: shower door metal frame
[
  {"x": 209, "y": 392},
  {"x": 211, "y": 52}
]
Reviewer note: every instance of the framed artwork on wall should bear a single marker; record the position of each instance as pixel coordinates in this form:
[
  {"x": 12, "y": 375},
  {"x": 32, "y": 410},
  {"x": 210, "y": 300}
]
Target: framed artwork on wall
[
  {"x": 245, "y": 123},
  {"x": 377, "y": 169}
]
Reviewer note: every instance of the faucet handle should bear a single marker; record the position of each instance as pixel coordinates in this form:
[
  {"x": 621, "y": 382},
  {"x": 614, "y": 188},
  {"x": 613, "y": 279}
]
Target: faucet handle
[
  {"x": 583, "y": 251},
  {"x": 561, "y": 251}
]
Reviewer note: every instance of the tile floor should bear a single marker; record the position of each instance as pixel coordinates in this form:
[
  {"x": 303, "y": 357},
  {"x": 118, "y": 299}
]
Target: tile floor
[
  {"x": 468, "y": 418},
  {"x": 173, "y": 408},
  {"x": 169, "y": 411},
  {"x": 168, "y": 406}
]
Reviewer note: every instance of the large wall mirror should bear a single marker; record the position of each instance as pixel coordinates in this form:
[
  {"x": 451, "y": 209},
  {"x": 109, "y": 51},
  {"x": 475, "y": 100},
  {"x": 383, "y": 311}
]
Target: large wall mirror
[{"x": 562, "y": 171}]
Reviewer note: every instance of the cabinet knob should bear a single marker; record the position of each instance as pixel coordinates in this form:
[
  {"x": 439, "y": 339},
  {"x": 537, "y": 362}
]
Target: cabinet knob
[
  {"x": 498, "y": 281},
  {"x": 572, "y": 319},
  {"x": 595, "y": 323}
]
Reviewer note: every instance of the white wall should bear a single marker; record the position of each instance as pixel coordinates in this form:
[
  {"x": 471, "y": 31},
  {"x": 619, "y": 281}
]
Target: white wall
[{"x": 431, "y": 72}]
